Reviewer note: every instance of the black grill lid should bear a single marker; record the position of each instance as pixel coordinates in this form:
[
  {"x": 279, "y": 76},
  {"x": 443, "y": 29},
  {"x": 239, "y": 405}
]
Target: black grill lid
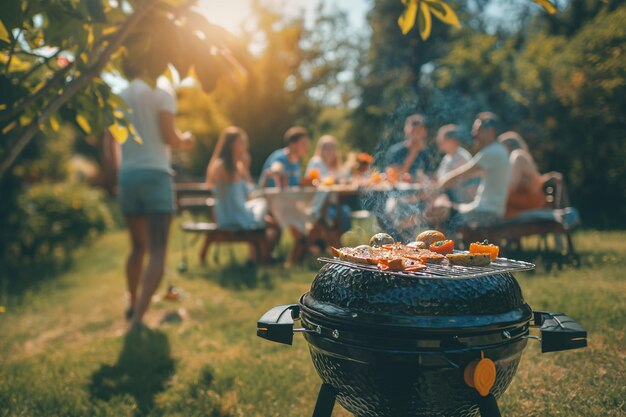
[{"x": 362, "y": 297}]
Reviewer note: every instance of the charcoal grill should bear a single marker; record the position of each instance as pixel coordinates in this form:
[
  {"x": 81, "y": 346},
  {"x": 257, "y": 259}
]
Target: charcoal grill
[{"x": 444, "y": 341}]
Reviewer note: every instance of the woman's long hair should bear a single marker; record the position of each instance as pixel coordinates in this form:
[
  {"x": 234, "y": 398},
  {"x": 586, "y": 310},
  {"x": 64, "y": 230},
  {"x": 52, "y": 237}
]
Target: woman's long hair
[
  {"x": 224, "y": 149},
  {"x": 327, "y": 140}
]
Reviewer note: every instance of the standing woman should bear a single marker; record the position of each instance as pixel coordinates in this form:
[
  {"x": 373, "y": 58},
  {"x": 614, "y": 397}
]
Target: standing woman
[{"x": 146, "y": 192}]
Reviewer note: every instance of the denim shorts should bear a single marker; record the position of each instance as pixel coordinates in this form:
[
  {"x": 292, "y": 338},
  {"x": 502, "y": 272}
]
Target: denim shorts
[{"x": 146, "y": 191}]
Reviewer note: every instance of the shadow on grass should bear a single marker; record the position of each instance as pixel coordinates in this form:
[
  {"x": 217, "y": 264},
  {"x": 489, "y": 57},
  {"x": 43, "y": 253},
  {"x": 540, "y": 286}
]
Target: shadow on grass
[
  {"x": 238, "y": 277},
  {"x": 142, "y": 370}
]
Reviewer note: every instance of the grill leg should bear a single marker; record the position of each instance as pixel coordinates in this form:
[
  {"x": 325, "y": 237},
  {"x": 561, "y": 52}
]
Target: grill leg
[{"x": 325, "y": 401}]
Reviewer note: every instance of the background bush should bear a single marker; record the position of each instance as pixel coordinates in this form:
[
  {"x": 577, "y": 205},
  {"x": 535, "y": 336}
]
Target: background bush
[{"x": 49, "y": 221}]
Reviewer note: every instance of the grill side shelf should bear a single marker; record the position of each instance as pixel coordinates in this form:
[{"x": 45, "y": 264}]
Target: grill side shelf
[{"x": 433, "y": 271}]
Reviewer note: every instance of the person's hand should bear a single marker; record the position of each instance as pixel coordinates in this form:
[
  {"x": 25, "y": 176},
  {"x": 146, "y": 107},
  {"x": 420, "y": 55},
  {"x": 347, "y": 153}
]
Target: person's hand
[
  {"x": 187, "y": 141},
  {"x": 277, "y": 168}
]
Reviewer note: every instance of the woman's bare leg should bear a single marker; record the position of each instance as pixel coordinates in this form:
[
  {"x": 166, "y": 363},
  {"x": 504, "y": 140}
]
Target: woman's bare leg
[
  {"x": 138, "y": 230},
  {"x": 158, "y": 231}
]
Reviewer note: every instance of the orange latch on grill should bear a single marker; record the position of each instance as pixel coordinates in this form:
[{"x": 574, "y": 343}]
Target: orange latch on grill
[{"x": 480, "y": 374}]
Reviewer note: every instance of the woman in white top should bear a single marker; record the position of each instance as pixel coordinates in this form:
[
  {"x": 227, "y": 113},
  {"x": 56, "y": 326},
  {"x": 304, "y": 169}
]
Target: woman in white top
[
  {"x": 327, "y": 162},
  {"x": 327, "y": 159},
  {"x": 146, "y": 188}
]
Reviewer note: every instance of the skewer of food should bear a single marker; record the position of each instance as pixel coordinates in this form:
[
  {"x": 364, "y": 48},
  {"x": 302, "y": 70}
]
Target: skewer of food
[{"x": 429, "y": 247}]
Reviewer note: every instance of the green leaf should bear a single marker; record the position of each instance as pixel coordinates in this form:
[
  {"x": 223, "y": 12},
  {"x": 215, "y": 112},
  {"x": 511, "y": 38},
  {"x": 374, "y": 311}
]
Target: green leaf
[
  {"x": 407, "y": 20},
  {"x": 118, "y": 132},
  {"x": 83, "y": 123},
  {"x": 11, "y": 13},
  {"x": 54, "y": 123},
  {"x": 546, "y": 4},
  {"x": 96, "y": 10},
  {"x": 445, "y": 13},
  {"x": 4, "y": 33},
  {"x": 436, "y": 5},
  {"x": 9, "y": 127},
  {"x": 425, "y": 20}
]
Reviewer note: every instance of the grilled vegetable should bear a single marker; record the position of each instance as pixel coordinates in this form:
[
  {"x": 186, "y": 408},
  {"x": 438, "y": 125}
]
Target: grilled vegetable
[
  {"x": 380, "y": 239},
  {"x": 469, "y": 259},
  {"x": 485, "y": 247},
  {"x": 430, "y": 236},
  {"x": 443, "y": 247},
  {"x": 418, "y": 244}
]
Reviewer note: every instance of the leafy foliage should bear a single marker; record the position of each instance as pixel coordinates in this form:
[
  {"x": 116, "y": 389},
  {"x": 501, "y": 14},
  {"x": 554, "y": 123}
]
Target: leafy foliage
[
  {"x": 565, "y": 94},
  {"x": 53, "y": 53},
  {"x": 424, "y": 10},
  {"x": 294, "y": 75}
]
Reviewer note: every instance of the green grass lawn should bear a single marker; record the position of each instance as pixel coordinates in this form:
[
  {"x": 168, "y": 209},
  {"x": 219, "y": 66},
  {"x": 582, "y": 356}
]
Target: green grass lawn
[{"x": 63, "y": 350}]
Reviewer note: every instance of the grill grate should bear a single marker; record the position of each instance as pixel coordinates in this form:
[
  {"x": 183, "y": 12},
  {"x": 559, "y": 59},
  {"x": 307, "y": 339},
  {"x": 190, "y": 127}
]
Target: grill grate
[{"x": 500, "y": 265}]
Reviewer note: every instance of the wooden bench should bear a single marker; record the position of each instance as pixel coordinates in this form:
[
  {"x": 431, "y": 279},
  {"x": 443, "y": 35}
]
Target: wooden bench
[
  {"x": 257, "y": 238},
  {"x": 513, "y": 230},
  {"x": 508, "y": 233},
  {"x": 194, "y": 196}
]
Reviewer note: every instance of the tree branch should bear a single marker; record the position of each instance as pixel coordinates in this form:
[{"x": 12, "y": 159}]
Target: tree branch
[
  {"x": 25, "y": 136},
  {"x": 58, "y": 76},
  {"x": 12, "y": 50},
  {"x": 39, "y": 65}
]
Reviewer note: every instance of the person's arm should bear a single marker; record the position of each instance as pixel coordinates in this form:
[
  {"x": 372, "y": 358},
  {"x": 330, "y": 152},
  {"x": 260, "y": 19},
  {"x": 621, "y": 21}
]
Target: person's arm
[
  {"x": 172, "y": 136},
  {"x": 466, "y": 171},
  {"x": 215, "y": 172}
]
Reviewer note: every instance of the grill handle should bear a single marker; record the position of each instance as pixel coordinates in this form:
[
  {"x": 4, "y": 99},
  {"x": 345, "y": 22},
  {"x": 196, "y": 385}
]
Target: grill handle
[
  {"x": 277, "y": 324},
  {"x": 488, "y": 406},
  {"x": 559, "y": 332}
]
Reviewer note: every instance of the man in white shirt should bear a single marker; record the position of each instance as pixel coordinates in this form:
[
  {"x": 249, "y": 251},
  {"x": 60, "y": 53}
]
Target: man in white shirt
[{"x": 492, "y": 164}]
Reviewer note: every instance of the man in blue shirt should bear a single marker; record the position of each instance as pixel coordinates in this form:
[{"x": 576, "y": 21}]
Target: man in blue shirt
[
  {"x": 410, "y": 156},
  {"x": 282, "y": 167}
]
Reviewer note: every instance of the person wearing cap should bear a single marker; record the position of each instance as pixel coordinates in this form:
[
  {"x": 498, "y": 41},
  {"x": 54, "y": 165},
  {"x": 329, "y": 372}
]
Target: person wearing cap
[
  {"x": 410, "y": 156},
  {"x": 282, "y": 168},
  {"x": 449, "y": 142},
  {"x": 492, "y": 164}
]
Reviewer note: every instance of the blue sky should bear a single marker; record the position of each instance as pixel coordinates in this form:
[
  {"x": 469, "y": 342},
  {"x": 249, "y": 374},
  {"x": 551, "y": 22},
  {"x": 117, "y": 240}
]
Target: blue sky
[{"x": 231, "y": 14}]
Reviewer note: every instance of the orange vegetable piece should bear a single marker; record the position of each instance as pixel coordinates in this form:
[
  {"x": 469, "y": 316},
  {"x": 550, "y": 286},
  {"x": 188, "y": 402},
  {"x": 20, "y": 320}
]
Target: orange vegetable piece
[
  {"x": 443, "y": 247},
  {"x": 488, "y": 248},
  {"x": 314, "y": 174}
]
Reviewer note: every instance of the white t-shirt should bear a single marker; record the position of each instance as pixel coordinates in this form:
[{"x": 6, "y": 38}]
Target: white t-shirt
[
  {"x": 318, "y": 163},
  {"x": 463, "y": 193},
  {"x": 450, "y": 162},
  {"x": 494, "y": 185},
  {"x": 145, "y": 104}
]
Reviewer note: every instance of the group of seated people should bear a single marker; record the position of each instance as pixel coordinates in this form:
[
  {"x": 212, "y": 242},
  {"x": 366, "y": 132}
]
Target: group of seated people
[
  {"x": 229, "y": 176},
  {"x": 499, "y": 181}
]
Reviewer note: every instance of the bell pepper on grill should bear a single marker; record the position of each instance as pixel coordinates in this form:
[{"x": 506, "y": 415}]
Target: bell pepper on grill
[
  {"x": 485, "y": 247},
  {"x": 443, "y": 247}
]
